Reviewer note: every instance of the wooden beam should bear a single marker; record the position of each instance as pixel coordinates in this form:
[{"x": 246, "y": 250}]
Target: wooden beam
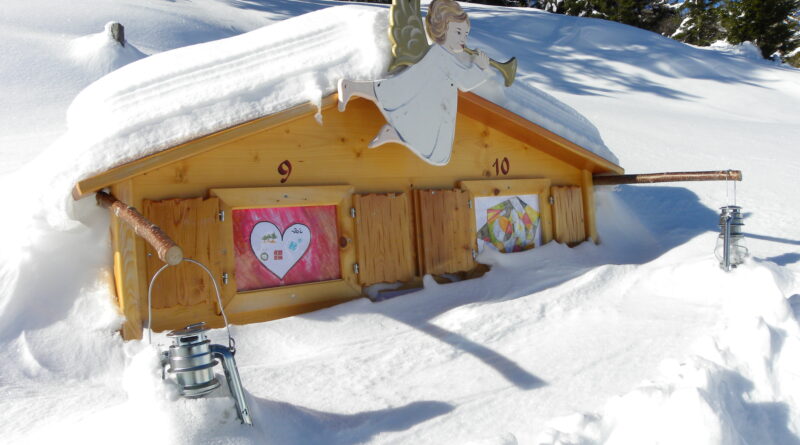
[
  {"x": 651, "y": 178},
  {"x": 167, "y": 250}
]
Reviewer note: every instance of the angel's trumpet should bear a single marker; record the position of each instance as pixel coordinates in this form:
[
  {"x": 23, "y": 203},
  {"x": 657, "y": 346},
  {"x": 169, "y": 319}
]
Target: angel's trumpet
[{"x": 508, "y": 68}]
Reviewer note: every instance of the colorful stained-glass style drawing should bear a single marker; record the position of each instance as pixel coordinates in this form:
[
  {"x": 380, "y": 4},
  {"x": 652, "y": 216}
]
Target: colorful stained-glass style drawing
[
  {"x": 508, "y": 223},
  {"x": 286, "y": 245}
]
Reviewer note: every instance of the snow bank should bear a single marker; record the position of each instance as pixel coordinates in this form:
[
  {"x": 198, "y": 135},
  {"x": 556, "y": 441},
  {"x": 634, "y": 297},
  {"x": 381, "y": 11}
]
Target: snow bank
[
  {"x": 100, "y": 53},
  {"x": 173, "y": 97},
  {"x": 179, "y": 95},
  {"x": 739, "y": 387},
  {"x": 545, "y": 333},
  {"x": 747, "y": 50}
]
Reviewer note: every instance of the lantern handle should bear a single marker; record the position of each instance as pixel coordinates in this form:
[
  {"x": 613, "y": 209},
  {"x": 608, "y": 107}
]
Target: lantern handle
[{"x": 231, "y": 341}]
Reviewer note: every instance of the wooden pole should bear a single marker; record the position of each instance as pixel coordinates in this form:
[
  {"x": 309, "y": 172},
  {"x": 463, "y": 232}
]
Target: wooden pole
[
  {"x": 167, "y": 250},
  {"x": 650, "y": 178}
]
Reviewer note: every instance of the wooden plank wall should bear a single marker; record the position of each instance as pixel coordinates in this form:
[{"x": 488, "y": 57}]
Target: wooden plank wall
[
  {"x": 127, "y": 268},
  {"x": 384, "y": 233},
  {"x": 445, "y": 231},
  {"x": 568, "y": 221},
  {"x": 192, "y": 224}
]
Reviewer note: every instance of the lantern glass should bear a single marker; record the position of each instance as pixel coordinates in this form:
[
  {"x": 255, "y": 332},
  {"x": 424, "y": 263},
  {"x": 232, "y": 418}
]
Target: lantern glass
[{"x": 731, "y": 223}]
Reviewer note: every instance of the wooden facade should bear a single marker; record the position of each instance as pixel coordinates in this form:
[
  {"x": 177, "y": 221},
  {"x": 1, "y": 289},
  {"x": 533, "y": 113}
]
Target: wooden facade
[{"x": 398, "y": 217}]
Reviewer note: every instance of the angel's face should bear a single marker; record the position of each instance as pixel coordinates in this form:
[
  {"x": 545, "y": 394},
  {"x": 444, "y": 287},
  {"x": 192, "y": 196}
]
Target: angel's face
[{"x": 456, "y": 36}]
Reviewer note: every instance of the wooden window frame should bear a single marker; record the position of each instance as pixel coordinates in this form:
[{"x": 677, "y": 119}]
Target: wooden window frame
[{"x": 239, "y": 303}]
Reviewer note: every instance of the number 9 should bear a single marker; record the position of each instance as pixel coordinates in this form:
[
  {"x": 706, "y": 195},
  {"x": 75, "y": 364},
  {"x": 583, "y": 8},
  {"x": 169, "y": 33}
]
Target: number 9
[{"x": 285, "y": 168}]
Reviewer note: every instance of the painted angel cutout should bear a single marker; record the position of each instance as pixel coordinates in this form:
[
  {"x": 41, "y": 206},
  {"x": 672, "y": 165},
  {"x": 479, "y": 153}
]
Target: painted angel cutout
[{"x": 420, "y": 102}]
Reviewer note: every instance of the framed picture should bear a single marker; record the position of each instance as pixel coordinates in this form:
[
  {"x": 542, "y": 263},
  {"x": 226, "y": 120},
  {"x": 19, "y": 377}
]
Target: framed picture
[
  {"x": 510, "y": 215},
  {"x": 286, "y": 246},
  {"x": 281, "y": 246}
]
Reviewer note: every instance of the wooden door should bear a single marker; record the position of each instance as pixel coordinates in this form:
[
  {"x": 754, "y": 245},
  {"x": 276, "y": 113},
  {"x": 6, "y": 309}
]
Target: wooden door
[
  {"x": 445, "y": 227},
  {"x": 568, "y": 223},
  {"x": 193, "y": 225},
  {"x": 384, "y": 235}
]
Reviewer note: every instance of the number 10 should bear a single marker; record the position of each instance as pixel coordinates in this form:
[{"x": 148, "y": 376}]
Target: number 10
[{"x": 501, "y": 166}]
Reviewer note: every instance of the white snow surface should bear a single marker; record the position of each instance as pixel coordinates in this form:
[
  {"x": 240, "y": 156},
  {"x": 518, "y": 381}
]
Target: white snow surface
[{"x": 641, "y": 339}]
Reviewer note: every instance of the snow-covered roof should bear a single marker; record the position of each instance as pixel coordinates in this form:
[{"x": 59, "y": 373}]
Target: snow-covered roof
[{"x": 173, "y": 97}]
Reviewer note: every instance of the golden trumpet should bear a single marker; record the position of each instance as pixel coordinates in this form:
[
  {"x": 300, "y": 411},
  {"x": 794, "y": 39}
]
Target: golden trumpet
[{"x": 508, "y": 68}]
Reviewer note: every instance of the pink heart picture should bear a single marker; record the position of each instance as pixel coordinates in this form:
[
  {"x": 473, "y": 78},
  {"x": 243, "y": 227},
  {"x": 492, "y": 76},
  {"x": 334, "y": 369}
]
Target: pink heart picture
[{"x": 279, "y": 251}]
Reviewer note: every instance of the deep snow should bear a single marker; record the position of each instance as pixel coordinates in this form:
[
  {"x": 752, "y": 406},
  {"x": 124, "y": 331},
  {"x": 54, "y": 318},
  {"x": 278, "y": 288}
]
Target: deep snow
[{"x": 641, "y": 339}]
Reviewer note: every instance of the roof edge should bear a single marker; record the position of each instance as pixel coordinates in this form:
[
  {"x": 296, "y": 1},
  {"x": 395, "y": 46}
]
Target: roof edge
[
  {"x": 195, "y": 147},
  {"x": 521, "y": 128},
  {"x": 470, "y": 104}
]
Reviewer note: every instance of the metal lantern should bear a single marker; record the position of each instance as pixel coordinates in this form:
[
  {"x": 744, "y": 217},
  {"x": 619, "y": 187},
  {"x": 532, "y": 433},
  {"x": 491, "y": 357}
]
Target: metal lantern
[
  {"x": 191, "y": 357},
  {"x": 730, "y": 250},
  {"x": 190, "y": 361}
]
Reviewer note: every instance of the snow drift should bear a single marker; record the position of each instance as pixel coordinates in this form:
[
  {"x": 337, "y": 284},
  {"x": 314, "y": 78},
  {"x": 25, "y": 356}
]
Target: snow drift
[{"x": 639, "y": 340}]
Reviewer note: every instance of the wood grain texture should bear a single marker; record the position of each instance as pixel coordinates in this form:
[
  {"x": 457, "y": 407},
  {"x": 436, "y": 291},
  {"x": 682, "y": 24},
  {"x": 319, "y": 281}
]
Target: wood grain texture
[
  {"x": 386, "y": 251},
  {"x": 336, "y": 153},
  {"x": 247, "y": 168},
  {"x": 194, "y": 147},
  {"x": 589, "y": 216},
  {"x": 476, "y": 107},
  {"x": 471, "y": 106},
  {"x": 568, "y": 220},
  {"x": 126, "y": 269},
  {"x": 168, "y": 251},
  {"x": 653, "y": 178},
  {"x": 447, "y": 237},
  {"x": 193, "y": 224}
]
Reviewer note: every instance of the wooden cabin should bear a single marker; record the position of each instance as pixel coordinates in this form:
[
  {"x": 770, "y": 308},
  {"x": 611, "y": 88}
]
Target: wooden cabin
[{"x": 236, "y": 201}]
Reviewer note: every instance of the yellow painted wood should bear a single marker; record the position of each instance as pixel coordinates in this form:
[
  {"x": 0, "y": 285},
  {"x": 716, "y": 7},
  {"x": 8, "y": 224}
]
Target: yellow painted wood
[
  {"x": 476, "y": 107},
  {"x": 246, "y": 167},
  {"x": 587, "y": 188},
  {"x": 126, "y": 277},
  {"x": 258, "y": 197},
  {"x": 385, "y": 250},
  {"x": 568, "y": 219},
  {"x": 471, "y": 107},
  {"x": 508, "y": 187},
  {"x": 447, "y": 238},
  {"x": 336, "y": 153},
  {"x": 192, "y": 224},
  {"x": 195, "y": 147}
]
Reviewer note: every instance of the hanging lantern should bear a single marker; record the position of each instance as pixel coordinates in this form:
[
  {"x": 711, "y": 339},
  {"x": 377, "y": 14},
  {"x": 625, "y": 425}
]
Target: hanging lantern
[
  {"x": 730, "y": 250},
  {"x": 190, "y": 361},
  {"x": 191, "y": 357}
]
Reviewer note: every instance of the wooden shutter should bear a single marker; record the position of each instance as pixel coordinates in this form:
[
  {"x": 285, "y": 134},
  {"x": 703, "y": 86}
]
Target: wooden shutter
[
  {"x": 193, "y": 225},
  {"x": 445, "y": 227},
  {"x": 568, "y": 221},
  {"x": 384, "y": 224}
]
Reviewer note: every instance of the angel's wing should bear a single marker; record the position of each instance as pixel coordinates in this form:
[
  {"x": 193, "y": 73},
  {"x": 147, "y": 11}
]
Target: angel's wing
[{"x": 407, "y": 34}]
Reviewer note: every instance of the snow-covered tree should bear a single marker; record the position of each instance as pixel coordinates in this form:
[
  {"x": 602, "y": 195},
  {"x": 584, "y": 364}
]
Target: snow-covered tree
[
  {"x": 653, "y": 15},
  {"x": 769, "y": 24},
  {"x": 701, "y": 24}
]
